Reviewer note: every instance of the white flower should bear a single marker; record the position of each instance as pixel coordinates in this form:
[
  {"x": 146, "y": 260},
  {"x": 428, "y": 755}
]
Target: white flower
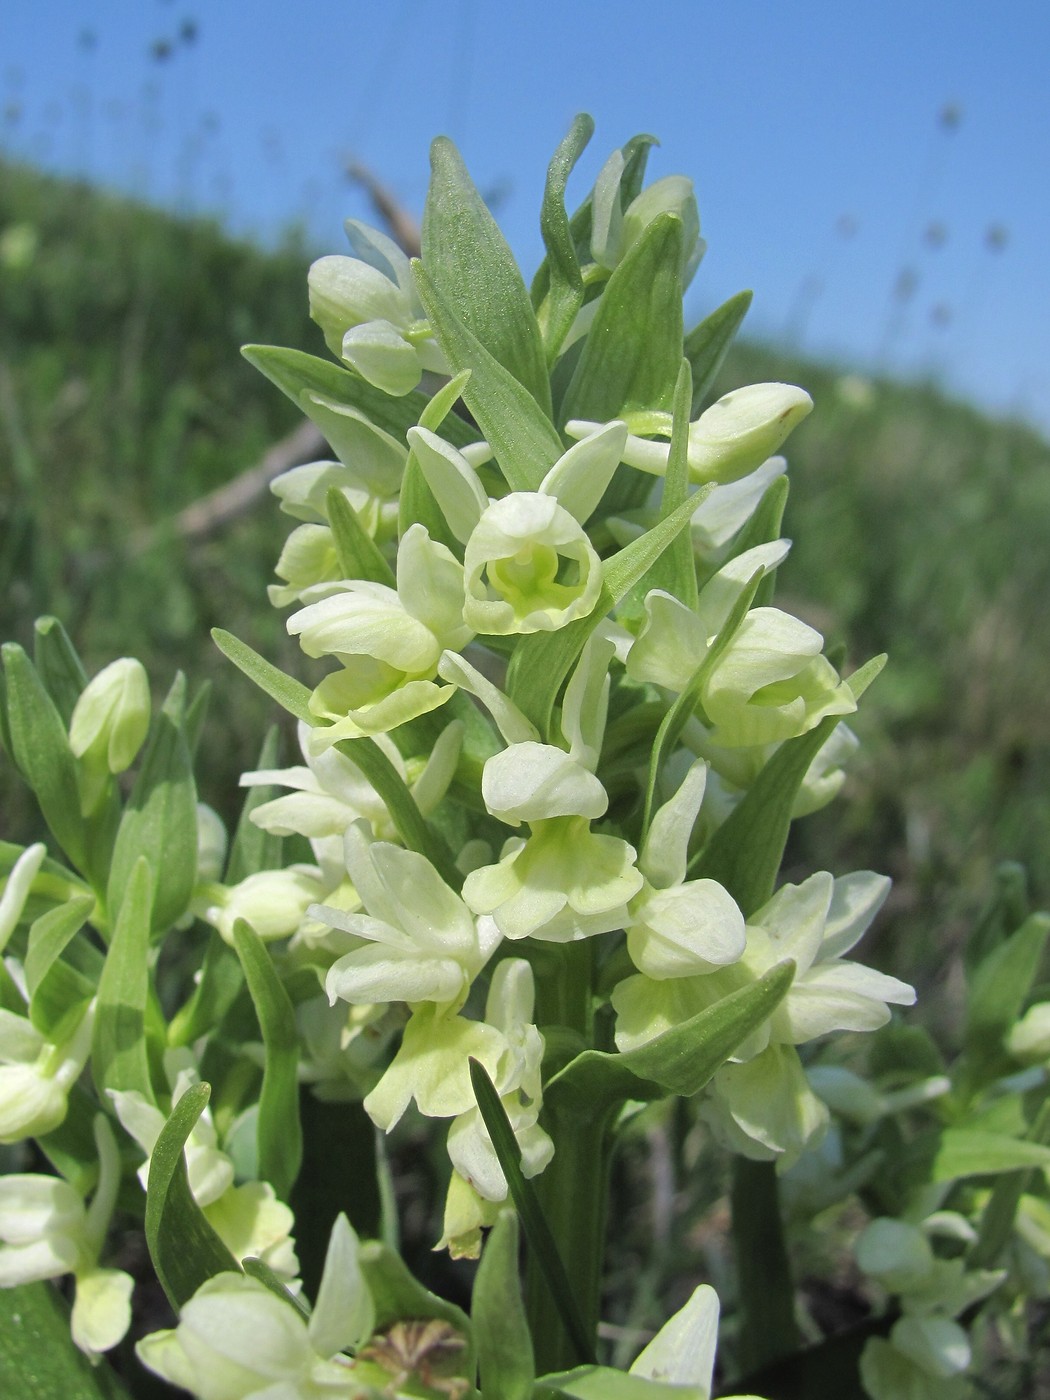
[
  {"x": 680, "y": 927},
  {"x": 528, "y": 565},
  {"x": 422, "y": 942},
  {"x": 509, "y": 1008},
  {"x": 273, "y": 902},
  {"x": 210, "y": 1171},
  {"x": 388, "y": 640},
  {"x": 109, "y": 725},
  {"x": 370, "y": 312},
  {"x": 768, "y": 683},
  {"x": 236, "y": 1339},
  {"x": 36, "y": 1074},
  {"x": 46, "y": 1231},
  {"x": 728, "y": 441},
  {"x": 330, "y": 792}
]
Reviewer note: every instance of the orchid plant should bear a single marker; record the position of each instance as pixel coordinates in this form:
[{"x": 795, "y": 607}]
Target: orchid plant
[{"x": 523, "y": 883}]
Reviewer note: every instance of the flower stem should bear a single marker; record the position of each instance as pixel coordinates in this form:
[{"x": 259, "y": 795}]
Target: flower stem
[{"x": 768, "y": 1329}]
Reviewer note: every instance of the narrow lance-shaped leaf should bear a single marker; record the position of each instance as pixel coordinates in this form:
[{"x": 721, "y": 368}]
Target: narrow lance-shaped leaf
[
  {"x": 185, "y": 1250},
  {"x": 560, "y": 279},
  {"x": 289, "y": 693},
  {"x": 397, "y": 1295},
  {"x": 414, "y": 830},
  {"x": 675, "y": 570},
  {"x": 160, "y": 820},
  {"x": 196, "y": 717},
  {"x": 996, "y": 1224},
  {"x": 58, "y": 665},
  {"x": 1006, "y": 910},
  {"x": 501, "y": 1329},
  {"x": 40, "y": 747},
  {"x": 679, "y": 1061},
  {"x": 634, "y": 348},
  {"x": 963, "y": 1152},
  {"x": 469, "y": 260},
  {"x": 38, "y": 1360},
  {"x": 534, "y": 1222},
  {"x": 118, "y": 1048},
  {"x": 252, "y": 848},
  {"x": 996, "y": 994},
  {"x": 279, "y": 1132},
  {"x": 296, "y": 373},
  {"x": 763, "y": 528},
  {"x": 359, "y": 556},
  {"x": 745, "y": 852},
  {"x": 49, "y": 935},
  {"x": 706, "y": 345},
  {"x": 215, "y": 990},
  {"x": 54, "y": 984},
  {"x": 512, "y": 422}
]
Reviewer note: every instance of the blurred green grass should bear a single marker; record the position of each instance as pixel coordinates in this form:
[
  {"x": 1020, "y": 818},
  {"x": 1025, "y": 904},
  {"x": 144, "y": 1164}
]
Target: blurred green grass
[{"x": 921, "y": 529}]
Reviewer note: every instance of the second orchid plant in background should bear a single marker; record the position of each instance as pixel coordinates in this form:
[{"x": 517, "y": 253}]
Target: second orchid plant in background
[{"x": 523, "y": 884}]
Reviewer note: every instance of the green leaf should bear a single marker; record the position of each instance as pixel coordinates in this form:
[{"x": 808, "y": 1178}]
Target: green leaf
[
  {"x": 675, "y": 570},
  {"x": 359, "y": 556},
  {"x": 1006, "y": 910},
  {"x": 296, "y": 374},
  {"x": 497, "y": 1310},
  {"x": 965, "y": 1152},
  {"x": 413, "y": 828},
  {"x": 58, "y": 665},
  {"x": 707, "y": 343},
  {"x": 762, "y": 528},
  {"x": 185, "y": 1250},
  {"x": 252, "y": 848},
  {"x": 118, "y": 1045},
  {"x": 53, "y": 985},
  {"x": 160, "y": 820},
  {"x": 996, "y": 993},
  {"x": 279, "y": 1131},
  {"x": 534, "y": 1222},
  {"x": 38, "y": 1359},
  {"x": 397, "y": 1295},
  {"x": 468, "y": 259},
  {"x": 40, "y": 748},
  {"x": 634, "y": 349},
  {"x": 215, "y": 991},
  {"x": 996, "y": 1223},
  {"x": 679, "y": 1061},
  {"x": 542, "y": 660},
  {"x": 256, "y": 1269},
  {"x": 289, "y": 693},
  {"x": 512, "y": 422},
  {"x": 744, "y": 854},
  {"x": 560, "y": 276}
]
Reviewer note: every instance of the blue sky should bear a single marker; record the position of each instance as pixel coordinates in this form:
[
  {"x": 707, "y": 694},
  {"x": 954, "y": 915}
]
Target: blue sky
[{"x": 825, "y": 167}]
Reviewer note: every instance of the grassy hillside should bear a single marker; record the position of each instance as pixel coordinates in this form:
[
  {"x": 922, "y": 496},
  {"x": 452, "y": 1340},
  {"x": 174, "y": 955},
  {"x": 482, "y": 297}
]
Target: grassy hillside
[{"x": 921, "y": 530}]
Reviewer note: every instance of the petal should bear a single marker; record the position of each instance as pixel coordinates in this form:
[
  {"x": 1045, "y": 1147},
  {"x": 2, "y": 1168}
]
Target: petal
[
  {"x": 686, "y": 930},
  {"x": 533, "y": 782},
  {"x": 345, "y": 1313},
  {"x": 452, "y": 479},
  {"x": 101, "y": 1312}
]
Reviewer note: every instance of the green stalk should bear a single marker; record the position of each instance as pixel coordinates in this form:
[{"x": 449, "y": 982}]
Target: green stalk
[
  {"x": 768, "y": 1330},
  {"x": 573, "y": 1190},
  {"x": 573, "y": 1193}
]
